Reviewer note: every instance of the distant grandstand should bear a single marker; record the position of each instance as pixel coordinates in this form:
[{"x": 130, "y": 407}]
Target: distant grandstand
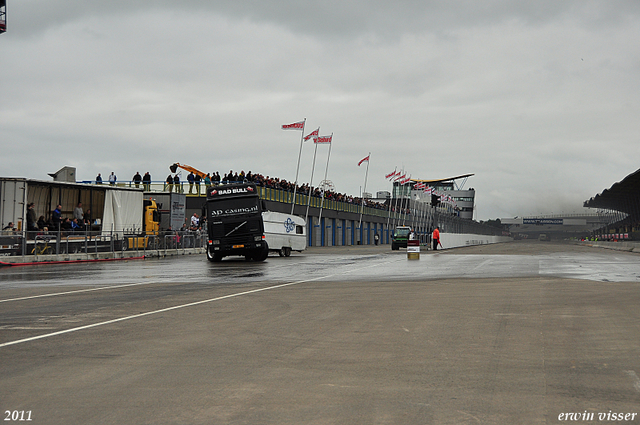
[
  {"x": 451, "y": 186},
  {"x": 558, "y": 226},
  {"x": 616, "y": 216},
  {"x": 623, "y": 200}
]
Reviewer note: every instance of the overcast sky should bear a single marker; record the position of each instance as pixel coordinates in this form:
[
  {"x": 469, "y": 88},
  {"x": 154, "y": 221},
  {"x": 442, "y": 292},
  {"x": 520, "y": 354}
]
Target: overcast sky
[{"x": 540, "y": 100}]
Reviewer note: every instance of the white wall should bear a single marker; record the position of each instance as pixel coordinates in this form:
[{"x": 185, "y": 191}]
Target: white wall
[
  {"x": 454, "y": 240},
  {"x": 13, "y": 203}
]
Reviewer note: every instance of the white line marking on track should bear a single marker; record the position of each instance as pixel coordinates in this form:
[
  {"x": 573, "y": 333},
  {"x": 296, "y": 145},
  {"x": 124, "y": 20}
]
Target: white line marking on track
[
  {"x": 164, "y": 310},
  {"x": 74, "y": 292},
  {"x": 483, "y": 264},
  {"x": 54, "y": 294}
]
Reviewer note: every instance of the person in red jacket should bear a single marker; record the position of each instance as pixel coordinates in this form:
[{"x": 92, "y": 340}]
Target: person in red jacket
[{"x": 436, "y": 238}]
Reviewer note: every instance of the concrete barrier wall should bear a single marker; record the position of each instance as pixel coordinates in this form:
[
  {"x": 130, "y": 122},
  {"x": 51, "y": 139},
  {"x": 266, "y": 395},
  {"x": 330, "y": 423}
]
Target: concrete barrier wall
[
  {"x": 456, "y": 240},
  {"x": 346, "y": 233}
]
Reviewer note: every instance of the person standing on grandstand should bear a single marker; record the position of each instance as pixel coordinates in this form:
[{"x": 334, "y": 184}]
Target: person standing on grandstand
[
  {"x": 137, "y": 179},
  {"x": 191, "y": 178},
  {"x": 176, "y": 182},
  {"x": 169, "y": 183},
  {"x": 146, "y": 181}
]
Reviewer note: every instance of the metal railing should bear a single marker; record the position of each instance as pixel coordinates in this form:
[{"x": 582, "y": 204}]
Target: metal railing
[
  {"x": 279, "y": 195},
  {"x": 38, "y": 243}
]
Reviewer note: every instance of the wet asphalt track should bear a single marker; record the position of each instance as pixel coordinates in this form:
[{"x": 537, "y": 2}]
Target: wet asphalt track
[{"x": 511, "y": 333}]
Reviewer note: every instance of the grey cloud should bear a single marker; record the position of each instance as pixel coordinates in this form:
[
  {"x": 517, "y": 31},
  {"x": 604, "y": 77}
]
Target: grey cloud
[{"x": 334, "y": 18}]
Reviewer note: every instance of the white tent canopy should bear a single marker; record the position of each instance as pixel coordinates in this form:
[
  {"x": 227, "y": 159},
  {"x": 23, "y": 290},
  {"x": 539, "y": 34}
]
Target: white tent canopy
[{"x": 122, "y": 212}]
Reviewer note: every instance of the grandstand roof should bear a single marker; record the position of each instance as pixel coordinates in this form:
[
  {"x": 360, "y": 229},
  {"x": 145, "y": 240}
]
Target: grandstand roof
[
  {"x": 450, "y": 179},
  {"x": 623, "y": 196}
]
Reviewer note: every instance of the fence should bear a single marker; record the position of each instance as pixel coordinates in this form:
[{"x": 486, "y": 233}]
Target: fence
[{"x": 37, "y": 244}]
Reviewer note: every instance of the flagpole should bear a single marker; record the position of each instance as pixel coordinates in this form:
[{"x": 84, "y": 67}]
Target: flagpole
[
  {"x": 395, "y": 201},
  {"x": 325, "y": 179},
  {"x": 412, "y": 210},
  {"x": 403, "y": 214},
  {"x": 389, "y": 215},
  {"x": 417, "y": 218},
  {"x": 295, "y": 185},
  {"x": 419, "y": 208},
  {"x": 400, "y": 208},
  {"x": 395, "y": 207},
  {"x": 423, "y": 213},
  {"x": 432, "y": 212},
  {"x": 363, "y": 192},
  {"x": 306, "y": 216},
  {"x": 405, "y": 205}
]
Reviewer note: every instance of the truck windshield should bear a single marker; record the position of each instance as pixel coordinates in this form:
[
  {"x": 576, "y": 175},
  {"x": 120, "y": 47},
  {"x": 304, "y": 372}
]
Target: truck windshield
[
  {"x": 402, "y": 232},
  {"x": 233, "y": 207}
]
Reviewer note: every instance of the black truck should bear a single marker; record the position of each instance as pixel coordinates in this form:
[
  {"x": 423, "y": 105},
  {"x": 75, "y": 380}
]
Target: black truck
[{"x": 234, "y": 222}]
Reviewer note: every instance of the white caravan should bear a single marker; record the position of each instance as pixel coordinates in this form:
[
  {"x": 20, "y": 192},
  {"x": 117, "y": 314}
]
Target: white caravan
[{"x": 284, "y": 232}]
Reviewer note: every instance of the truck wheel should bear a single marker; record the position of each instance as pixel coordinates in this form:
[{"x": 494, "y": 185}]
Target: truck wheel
[
  {"x": 213, "y": 257},
  {"x": 394, "y": 247},
  {"x": 281, "y": 252},
  {"x": 287, "y": 251},
  {"x": 261, "y": 255}
]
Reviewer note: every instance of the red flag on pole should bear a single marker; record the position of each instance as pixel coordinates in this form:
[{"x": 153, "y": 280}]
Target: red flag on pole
[
  {"x": 295, "y": 126},
  {"x": 402, "y": 177},
  {"x": 364, "y": 160},
  {"x": 323, "y": 139},
  {"x": 313, "y": 134},
  {"x": 388, "y": 176}
]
